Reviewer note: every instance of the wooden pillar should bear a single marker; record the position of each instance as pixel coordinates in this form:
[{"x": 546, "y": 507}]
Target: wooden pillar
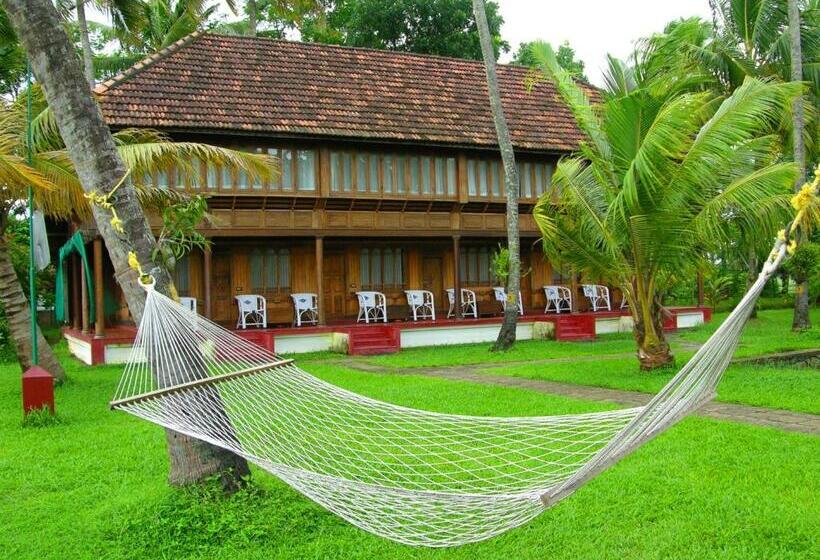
[
  {"x": 320, "y": 290},
  {"x": 206, "y": 281},
  {"x": 76, "y": 314},
  {"x": 99, "y": 303},
  {"x": 457, "y": 274},
  {"x": 701, "y": 294},
  {"x": 84, "y": 299}
]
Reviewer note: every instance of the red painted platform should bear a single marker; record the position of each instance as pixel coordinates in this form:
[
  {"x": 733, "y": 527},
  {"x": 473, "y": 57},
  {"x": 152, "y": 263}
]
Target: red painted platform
[{"x": 380, "y": 338}]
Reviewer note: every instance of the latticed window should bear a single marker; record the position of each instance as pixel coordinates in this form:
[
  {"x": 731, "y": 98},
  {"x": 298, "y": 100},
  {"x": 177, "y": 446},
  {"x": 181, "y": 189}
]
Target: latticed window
[
  {"x": 270, "y": 269},
  {"x": 485, "y": 178},
  {"x": 381, "y": 267},
  {"x": 475, "y": 265},
  {"x": 370, "y": 172}
]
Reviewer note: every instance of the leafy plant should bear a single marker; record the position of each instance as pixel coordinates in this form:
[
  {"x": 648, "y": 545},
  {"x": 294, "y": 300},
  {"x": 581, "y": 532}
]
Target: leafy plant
[
  {"x": 667, "y": 174},
  {"x": 41, "y": 418},
  {"x": 179, "y": 235}
]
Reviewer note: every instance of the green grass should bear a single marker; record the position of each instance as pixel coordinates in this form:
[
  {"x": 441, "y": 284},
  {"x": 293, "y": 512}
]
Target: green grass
[
  {"x": 790, "y": 388},
  {"x": 770, "y": 332},
  {"x": 93, "y": 486}
]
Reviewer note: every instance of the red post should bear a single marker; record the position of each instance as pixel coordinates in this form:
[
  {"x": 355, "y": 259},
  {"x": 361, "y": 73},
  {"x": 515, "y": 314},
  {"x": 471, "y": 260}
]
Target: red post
[{"x": 38, "y": 390}]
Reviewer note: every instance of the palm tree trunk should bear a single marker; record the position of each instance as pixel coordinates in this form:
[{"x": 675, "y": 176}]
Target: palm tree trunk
[
  {"x": 18, "y": 314},
  {"x": 647, "y": 317},
  {"x": 85, "y": 40},
  {"x": 506, "y": 336},
  {"x": 99, "y": 167},
  {"x": 801, "y": 319},
  {"x": 751, "y": 276},
  {"x": 251, "y": 7}
]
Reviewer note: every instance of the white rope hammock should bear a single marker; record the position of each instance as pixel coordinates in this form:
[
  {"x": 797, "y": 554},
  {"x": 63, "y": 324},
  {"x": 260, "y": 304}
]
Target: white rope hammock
[{"x": 416, "y": 477}]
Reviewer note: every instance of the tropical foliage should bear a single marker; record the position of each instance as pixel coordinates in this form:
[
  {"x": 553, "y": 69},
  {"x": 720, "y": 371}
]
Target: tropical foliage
[
  {"x": 565, "y": 55},
  {"x": 668, "y": 173},
  {"x": 58, "y": 192}
]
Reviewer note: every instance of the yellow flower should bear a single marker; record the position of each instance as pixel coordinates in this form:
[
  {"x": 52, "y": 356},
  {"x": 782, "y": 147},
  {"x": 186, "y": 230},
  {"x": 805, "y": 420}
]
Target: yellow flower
[
  {"x": 803, "y": 198},
  {"x": 792, "y": 247}
]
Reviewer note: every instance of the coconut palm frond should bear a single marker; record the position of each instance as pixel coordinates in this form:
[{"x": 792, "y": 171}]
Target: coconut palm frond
[
  {"x": 754, "y": 109},
  {"x": 574, "y": 96},
  {"x": 146, "y": 158}
]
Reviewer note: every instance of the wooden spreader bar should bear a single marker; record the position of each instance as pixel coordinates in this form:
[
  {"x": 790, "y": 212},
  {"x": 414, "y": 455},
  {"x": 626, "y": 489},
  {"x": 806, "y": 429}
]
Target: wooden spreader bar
[{"x": 196, "y": 383}]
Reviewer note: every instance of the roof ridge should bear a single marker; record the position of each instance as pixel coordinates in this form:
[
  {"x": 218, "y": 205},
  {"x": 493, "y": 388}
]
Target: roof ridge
[
  {"x": 146, "y": 62},
  {"x": 383, "y": 52}
]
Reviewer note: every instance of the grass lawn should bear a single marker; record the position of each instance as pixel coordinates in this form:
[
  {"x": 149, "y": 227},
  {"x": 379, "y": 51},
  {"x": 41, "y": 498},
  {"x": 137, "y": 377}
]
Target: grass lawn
[
  {"x": 610, "y": 362},
  {"x": 94, "y": 487},
  {"x": 770, "y": 332}
]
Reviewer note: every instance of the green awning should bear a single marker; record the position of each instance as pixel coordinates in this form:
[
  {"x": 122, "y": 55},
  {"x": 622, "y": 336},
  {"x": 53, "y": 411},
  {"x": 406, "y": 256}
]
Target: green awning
[{"x": 75, "y": 243}]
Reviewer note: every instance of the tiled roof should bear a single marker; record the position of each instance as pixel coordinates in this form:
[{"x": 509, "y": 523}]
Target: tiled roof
[{"x": 221, "y": 83}]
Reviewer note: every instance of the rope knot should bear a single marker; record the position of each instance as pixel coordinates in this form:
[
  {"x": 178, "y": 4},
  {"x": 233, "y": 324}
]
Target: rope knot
[{"x": 145, "y": 279}]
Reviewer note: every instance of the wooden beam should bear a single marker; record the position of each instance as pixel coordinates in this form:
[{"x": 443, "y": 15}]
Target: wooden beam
[
  {"x": 99, "y": 300},
  {"x": 84, "y": 300},
  {"x": 197, "y": 383},
  {"x": 457, "y": 275},
  {"x": 206, "y": 280},
  {"x": 320, "y": 291}
]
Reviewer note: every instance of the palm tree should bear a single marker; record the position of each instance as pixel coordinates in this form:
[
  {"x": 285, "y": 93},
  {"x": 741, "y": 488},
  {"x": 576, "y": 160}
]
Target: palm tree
[
  {"x": 801, "y": 319},
  {"x": 771, "y": 39},
  {"x": 93, "y": 151},
  {"x": 59, "y": 194},
  {"x": 125, "y": 16},
  {"x": 664, "y": 176},
  {"x": 506, "y": 336}
]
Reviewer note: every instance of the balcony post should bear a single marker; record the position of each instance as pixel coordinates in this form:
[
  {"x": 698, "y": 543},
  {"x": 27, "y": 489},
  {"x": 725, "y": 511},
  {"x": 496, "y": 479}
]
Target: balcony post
[
  {"x": 99, "y": 299},
  {"x": 206, "y": 281},
  {"x": 457, "y": 275},
  {"x": 320, "y": 292}
]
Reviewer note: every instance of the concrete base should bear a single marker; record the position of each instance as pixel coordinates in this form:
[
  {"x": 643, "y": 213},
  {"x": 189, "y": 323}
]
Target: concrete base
[{"x": 115, "y": 347}]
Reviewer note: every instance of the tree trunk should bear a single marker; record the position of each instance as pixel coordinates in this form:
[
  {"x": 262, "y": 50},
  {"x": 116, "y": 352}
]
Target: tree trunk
[
  {"x": 251, "y": 7},
  {"x": 18, "y": 314},
  {"x": 85, "y": 40},
  {"x": 99, "y": 167},
  {"x": 751, "y": 277},
  {"x": 801, "y": 319},
  {"x": 653, "y": 349},
  {"x": 506, "y": 336}
]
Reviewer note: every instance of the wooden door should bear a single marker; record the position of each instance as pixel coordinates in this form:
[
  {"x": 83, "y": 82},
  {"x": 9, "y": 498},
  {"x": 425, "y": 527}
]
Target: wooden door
[
  {"x": 335, "y": 285},
  {"x": 222, "y": 294},
  {"x": 431, "y": 280}
]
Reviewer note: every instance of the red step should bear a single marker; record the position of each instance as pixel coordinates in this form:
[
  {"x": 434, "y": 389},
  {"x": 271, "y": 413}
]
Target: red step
[
  {"x": 375, "y": 339},
  {"x": 575, "y": 327}
]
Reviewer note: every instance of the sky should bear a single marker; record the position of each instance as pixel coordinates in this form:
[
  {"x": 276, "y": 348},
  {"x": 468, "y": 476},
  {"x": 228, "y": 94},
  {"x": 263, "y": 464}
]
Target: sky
[{"x": 592, "y": 27}]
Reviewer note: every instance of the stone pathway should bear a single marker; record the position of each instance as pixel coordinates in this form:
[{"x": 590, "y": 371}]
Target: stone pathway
[{"x": 758, "y": 416}]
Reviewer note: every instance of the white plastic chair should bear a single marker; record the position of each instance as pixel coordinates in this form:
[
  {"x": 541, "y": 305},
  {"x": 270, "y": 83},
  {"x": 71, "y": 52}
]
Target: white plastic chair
[
  {"x": 469, "y": 305},
  {"x": 560, "y": 297},
  {"x": 421, "y": 303},
  {"x": 305, "y": 309},
  {"x": 372, "y": 307},
  {"x": 188, "y": 303},
  {"x": 253, "y": 311},
  {"x": 501, "y": 297},
  {"x": 598, "y": 296}
]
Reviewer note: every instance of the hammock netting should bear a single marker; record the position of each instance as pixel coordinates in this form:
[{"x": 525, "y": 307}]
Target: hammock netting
[{"x": 416, "y": 477}]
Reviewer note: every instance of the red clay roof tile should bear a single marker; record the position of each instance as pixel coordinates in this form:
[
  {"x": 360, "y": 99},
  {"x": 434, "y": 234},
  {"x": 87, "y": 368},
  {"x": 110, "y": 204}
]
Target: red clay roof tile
[{"x": 230, "y": 83}]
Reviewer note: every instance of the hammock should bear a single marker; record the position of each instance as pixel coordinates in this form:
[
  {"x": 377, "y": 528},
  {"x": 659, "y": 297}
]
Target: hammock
[{"x": 415, "y": 477}]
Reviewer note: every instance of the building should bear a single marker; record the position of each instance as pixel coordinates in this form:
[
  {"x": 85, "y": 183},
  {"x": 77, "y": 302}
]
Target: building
[{"x": 391, "y": 178}]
